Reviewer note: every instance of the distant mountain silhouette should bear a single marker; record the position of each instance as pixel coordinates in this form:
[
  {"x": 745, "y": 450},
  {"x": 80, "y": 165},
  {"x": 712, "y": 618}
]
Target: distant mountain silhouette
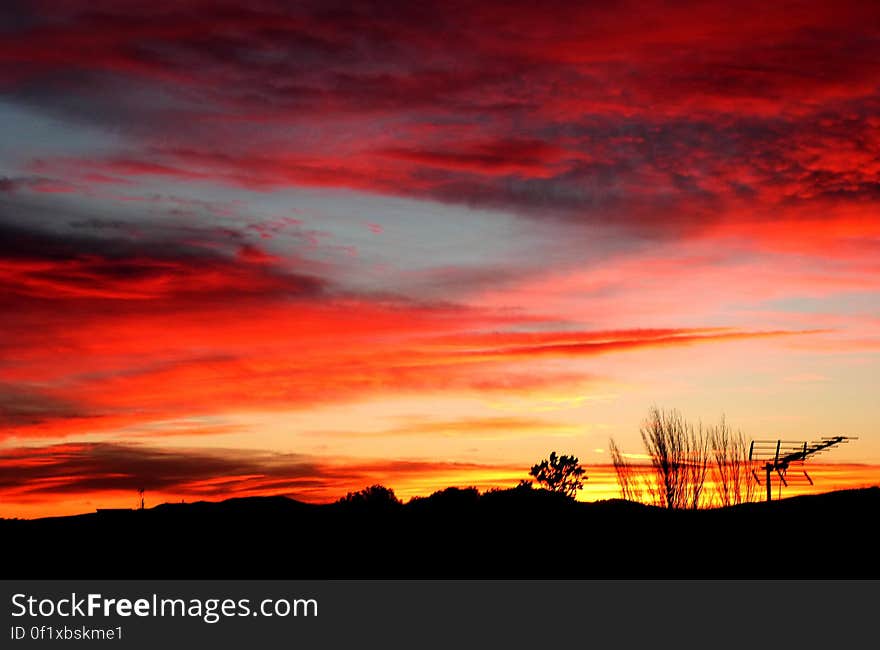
[{"x": 518, "y": 533}]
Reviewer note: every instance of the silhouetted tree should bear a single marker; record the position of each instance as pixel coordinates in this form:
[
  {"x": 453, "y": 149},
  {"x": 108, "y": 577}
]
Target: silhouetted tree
[
  {"x": 627, "y": 478},
  {"x": 456, "y": 495},
  {"x": 680, "y": 457},
  {"x": 373, "y": 497},
  {"x": 683, "y": 457},
  {"x": 731, "y": 472},
  {"x": 460, "y": 500},
  {"x": 562, "y": 474}
]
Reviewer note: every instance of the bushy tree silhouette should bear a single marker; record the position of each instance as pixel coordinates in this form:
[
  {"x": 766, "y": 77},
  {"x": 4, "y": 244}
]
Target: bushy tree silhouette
[
  {"x": 375, "y": 497},
  {"x": 562, "y": 474}
]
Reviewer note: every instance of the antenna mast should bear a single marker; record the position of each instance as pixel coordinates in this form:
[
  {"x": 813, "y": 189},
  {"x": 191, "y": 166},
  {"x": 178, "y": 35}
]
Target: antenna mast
[
  {"x": 141, "y": 495},
  {"x": 775, "y": 456}
]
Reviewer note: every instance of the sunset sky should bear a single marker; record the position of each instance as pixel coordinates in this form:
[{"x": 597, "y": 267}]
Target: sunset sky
[{"x": 299, "y": 248}]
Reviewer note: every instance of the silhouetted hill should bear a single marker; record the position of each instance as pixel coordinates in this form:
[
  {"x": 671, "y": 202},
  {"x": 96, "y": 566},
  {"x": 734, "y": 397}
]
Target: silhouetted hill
[{"x": 455, "y": 533}]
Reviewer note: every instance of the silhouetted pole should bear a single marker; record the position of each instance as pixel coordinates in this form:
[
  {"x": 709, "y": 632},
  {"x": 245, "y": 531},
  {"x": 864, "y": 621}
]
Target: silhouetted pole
[{"x": 769, "y": 487}]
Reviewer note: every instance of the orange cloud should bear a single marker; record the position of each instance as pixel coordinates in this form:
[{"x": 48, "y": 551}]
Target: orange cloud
[{"x": 121, "y": 370}]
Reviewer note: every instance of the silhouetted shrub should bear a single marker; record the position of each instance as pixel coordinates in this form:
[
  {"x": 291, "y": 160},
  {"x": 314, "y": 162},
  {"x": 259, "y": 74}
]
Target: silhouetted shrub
[
  {"x": 682, "y": 457},
  {"x": 523, "y": 498},
  {"x": 731, "y": 471},
  {"x": 375, "y": 497},
  {"x": 627, "y": 477},
  {"x": 679, "y": 454},
  {"x": 561, "y": 474},
  {"x": 455, "y": 496}
]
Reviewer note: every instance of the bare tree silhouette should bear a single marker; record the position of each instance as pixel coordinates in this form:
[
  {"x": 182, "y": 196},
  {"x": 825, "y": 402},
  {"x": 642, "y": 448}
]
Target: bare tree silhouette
[
  {"x": 679, "y": 456},
  {"x": 731, "y": 477},
  {"x": 631, "y": 484},
  {"x": 683, "y": 456}
]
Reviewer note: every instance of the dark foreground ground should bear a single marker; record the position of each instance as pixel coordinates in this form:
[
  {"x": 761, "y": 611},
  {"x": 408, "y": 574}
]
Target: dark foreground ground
[{"x": 455, "y": 534}]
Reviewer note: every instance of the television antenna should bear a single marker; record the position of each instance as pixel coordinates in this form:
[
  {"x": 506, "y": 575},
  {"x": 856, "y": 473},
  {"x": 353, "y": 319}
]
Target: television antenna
[{"x": 777, "y": 456}]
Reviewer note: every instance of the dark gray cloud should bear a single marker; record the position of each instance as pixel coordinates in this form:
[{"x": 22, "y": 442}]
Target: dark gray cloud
[
  {"x": 661, "y": 126},
  {"x": 94, "y": 257},
  {"x": 30, "y": 405},
  {"x": 86, "y": 467}
]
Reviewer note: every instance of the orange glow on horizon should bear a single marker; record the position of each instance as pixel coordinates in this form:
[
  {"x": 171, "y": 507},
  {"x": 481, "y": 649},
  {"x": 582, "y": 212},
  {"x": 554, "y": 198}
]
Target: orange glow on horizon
[
  {"x": 276, "y": 249},
  {"x": 601, "y": 485}
]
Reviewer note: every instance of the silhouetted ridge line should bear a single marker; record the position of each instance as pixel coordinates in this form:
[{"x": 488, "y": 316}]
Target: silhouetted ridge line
[{"x": 455, "y": 533}]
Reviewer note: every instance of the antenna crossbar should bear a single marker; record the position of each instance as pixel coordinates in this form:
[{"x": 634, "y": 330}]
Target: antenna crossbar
[{"x": 775, "y": 456}]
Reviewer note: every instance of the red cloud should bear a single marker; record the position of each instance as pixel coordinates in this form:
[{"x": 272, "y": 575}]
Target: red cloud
[
  {"x": 134, "y": 366},
  {"x": 654, "y": 118},
  {"x": 532, "y": 158},
  {"x": 747, "y": 128}
]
